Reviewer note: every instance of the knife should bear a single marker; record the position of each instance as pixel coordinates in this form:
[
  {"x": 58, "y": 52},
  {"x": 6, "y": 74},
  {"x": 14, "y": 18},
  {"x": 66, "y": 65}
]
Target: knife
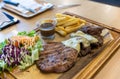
[
  {"x": 62, "y": 6},
  {"x": 67, "y": 5},
  {"x": 18, "y": 5}
]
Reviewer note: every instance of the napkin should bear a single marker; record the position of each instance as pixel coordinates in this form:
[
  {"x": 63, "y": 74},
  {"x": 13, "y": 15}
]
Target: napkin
[
  {"x": 28, "y": 3},
  {"x": 3, "y": 19}
]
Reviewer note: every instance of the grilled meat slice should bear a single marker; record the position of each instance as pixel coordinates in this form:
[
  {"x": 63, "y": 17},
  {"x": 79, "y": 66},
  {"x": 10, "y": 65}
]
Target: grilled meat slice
[
  {"x": 92, "y": 30},
  {"x": 99, "y": 43},
  {"x": 95, "y": 31},
  {"x": 56, "y": 57},
  {"x": 84, "y": 50}
]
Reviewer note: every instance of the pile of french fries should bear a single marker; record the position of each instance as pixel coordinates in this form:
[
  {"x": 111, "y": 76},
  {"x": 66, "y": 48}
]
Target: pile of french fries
[{"x": 67, "y": 24}]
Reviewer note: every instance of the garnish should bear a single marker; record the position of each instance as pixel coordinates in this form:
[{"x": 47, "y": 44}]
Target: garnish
[{"x": 21, "y": 50}]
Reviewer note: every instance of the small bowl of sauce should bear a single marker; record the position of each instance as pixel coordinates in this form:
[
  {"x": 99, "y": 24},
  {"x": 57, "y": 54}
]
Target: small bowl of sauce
[{"x": 47, "y": 28}]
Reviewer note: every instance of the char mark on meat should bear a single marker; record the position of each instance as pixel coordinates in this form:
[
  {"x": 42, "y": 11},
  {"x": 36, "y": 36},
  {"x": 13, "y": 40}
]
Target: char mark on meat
[{"x": 58, "y": 58}]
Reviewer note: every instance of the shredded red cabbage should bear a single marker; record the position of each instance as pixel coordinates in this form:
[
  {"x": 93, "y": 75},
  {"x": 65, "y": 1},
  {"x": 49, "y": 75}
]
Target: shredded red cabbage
[{"x": 13, "y": 55}]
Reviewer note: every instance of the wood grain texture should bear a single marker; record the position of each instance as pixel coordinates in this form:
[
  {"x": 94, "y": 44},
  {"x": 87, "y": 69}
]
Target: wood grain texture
[
  {"x": 111, "y": 69},
  {"x": 33, "y": 73}
]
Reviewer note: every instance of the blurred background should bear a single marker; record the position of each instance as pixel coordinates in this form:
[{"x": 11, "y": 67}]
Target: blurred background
[{"x": 110, "y": 2}]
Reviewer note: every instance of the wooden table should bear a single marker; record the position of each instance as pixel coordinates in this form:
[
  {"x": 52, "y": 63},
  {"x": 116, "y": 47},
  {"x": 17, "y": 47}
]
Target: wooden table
[{"x": 102, "y": 13}]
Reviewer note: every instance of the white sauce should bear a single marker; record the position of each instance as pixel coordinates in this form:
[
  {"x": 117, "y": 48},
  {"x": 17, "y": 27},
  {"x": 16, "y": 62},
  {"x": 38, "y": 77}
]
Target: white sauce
[
  {"x": 79, "y": 37},
  {"x": 75, "y": 42},
  {"x": 90, "y": 38}
]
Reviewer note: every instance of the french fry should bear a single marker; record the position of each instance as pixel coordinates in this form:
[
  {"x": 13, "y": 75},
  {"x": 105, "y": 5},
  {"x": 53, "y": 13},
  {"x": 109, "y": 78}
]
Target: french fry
[
  {"x": 59, "y": 15},
  {"x": 67, "y": 24},
  {"x": 66, "y": 21},
  {"x": 61, "y": 32},
  {"x": 69, "y": 30},
  {"x": 71, "y": 22},
  {"x": 83, "y": 21},
  {"x": 72, "y": 29},
  {"x": 62, "y": 22},
  {"x": 62, "y": 15},
  {"x": 62, "y": 19},
  {"x": 72, "y": 26},
  {"x": 61, "y": 28}
]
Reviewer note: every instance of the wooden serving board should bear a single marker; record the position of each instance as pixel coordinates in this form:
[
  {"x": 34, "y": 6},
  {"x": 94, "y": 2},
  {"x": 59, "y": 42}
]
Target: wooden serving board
[{"x": 85, "y": 67}]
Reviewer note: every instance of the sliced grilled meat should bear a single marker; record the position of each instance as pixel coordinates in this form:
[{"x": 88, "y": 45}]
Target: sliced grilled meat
[
  {"x": 96, "y": 32},
  {"x": 92, "y": 30},
  {"x": 99, "y": 43},
  {"x": 56, "y": 57},
  {"x": 84, "y": 50}
]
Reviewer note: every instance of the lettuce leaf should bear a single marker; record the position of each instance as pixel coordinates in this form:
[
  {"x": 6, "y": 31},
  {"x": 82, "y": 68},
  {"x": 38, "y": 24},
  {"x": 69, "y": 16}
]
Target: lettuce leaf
[
  {"x": 3, "y": 65},
  {"x": 26, "y": 62},
  {"x": 24, "y": 33},
  {"x": 2, "y": 44},
  {"x": 29, "y": 60}
]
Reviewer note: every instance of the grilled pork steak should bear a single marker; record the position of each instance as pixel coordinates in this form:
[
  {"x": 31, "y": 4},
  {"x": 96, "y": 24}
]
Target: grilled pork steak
[
  {"x": 56, "y": 57},
  {"x": 84, "y": 50},
  {"x": 94, "y": 31}
]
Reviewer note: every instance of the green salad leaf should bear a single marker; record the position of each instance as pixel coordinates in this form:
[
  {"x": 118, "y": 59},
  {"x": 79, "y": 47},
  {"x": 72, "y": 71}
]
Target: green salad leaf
[
  {"x": 35, "y": 51},
  {"x": 31, "y": 33},
  {"x": 24, "y": 33},
  {"x": 26, "y": 62},
  {"x": 2, "y": 44},
  {"x": 3, "y": 65}
]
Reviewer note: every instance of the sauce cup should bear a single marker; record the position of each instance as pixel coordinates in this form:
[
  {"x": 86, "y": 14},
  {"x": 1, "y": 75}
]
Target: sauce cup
[{"x": 47, "y": 27}]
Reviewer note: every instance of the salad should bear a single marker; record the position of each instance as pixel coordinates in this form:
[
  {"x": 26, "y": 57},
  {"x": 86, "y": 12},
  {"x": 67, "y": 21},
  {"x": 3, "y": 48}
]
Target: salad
[{"x": 20, "y": 50}]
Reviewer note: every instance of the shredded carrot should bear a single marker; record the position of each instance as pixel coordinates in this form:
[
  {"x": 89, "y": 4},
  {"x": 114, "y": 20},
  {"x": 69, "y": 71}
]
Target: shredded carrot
[{"x": 26, "y": 41}]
